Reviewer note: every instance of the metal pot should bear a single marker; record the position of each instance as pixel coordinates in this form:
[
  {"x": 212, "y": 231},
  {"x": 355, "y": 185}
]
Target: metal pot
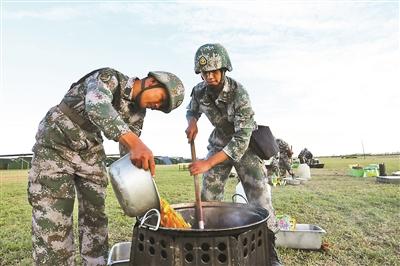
[
  {"x": 234, "y": 234},
  {"x": 134, "y": 188}
]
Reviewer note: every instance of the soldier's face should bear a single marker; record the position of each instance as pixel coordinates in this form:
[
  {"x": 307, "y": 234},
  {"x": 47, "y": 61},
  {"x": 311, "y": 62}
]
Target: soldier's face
[
  {"x": 153, "y": 98},
  {"x": 213, "y": 78}
]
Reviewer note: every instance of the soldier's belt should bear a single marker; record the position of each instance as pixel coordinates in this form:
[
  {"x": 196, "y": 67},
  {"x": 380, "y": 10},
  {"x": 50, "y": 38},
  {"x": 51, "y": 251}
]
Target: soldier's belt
[{"x": 75, "y": 117}]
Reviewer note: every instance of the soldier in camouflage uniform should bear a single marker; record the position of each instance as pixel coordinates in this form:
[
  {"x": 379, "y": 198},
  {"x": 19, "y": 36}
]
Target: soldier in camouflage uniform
[
  {"x": 281, "y": 162},
  {"x": 69, "y": 158},
  {"x": 226, "y": 104},
  {"x": 305, "y": 156}
]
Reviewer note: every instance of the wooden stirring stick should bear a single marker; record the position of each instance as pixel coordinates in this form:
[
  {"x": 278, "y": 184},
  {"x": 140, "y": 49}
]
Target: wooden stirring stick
[{"x": 199, "y": 209}]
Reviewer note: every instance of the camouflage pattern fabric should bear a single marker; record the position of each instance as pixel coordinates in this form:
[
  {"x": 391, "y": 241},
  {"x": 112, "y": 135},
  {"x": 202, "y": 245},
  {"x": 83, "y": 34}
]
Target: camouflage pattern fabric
[
  {"x": 283, "y": 157},
  {"x": 68, "y": 158},
  {"x": 211, "y": 57},
  {"x": 232, "y": 116},
  {"x": 274, "y": 168},
  {"x": 305, "y": 156}
]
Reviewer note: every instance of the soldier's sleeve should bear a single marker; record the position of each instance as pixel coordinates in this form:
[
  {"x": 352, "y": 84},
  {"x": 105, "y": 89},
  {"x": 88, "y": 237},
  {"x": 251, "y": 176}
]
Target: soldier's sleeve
[
  {"x": 136, "y": 127},
  {"x": 99, "y": 95},
  {"x": 286, "y": 146},
  {"x": 193, "y": 107},
  {"x": 243, "y": 125}
]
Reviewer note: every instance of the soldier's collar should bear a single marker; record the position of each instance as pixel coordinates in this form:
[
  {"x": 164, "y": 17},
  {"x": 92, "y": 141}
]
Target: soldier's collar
[
  {"x": 127, "y": 92},
  {"x": 225, "y": 92}
]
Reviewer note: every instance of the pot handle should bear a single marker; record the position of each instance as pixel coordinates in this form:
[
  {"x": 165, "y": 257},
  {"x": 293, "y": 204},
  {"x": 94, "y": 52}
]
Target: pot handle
[
  {"x": 147, "y": 216},
  {"x": 240, "y": 195}
]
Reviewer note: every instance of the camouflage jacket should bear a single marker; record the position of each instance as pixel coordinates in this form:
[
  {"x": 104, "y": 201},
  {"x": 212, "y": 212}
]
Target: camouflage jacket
[
  {"x": 230, "y": 113},
  {"x": 306, "y": 154},
  {"x": 103, "y": 99},
  {"x": 284, "y": 149}
]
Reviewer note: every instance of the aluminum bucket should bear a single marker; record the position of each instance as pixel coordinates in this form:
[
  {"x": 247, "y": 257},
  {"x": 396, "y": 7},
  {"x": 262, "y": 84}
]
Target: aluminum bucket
[{"x": 134, "y": 188}]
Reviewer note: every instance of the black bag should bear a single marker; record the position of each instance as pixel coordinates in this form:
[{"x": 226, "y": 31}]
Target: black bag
[{"x": 263, "y": 143}]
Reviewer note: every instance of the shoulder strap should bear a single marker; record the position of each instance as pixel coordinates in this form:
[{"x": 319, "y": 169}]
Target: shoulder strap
[
  {"x": 86, "y": 76},
  {"x": 117, "y": 94}
]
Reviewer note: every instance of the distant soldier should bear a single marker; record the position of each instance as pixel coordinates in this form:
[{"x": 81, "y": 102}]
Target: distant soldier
[
  {"x": 284, "y": 157},
  {"x": 305, "y": 156},
  {"x": 226, "y": 104},
  {"x": 69, "y": 156}
]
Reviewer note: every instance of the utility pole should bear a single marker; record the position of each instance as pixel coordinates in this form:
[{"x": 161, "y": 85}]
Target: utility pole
[{"x": 362, "y": 144}]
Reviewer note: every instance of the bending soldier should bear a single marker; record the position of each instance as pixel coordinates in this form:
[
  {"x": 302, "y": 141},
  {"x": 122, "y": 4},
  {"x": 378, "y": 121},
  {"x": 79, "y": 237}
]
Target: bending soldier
[
  {"x": 69, "y": 158},
  {"x": 305, "y": 156}
]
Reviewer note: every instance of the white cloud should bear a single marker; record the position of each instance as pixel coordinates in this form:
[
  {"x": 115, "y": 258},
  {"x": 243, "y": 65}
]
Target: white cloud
[
  {"x": 45, "y": 13},
  {"x": 317, "y": 72}
]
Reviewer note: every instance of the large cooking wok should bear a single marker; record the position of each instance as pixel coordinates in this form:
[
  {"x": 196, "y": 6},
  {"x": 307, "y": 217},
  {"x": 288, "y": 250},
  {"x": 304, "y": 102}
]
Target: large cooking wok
[
  {"x": 234, "y": 234},
  {"x": 220, "y": 217}
]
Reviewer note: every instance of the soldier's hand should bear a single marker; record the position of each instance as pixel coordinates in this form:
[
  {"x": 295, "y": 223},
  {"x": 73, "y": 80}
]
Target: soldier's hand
[
  {"x": 199, "y": 167},
  {"x": 142, "y": 157},
  {"x": 191, "y": 130}
]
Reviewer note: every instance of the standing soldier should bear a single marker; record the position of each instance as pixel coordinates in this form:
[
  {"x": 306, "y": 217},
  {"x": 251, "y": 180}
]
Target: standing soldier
[
  {"x": 226, "y": 104},
  {"x": 69, "y": 156}
]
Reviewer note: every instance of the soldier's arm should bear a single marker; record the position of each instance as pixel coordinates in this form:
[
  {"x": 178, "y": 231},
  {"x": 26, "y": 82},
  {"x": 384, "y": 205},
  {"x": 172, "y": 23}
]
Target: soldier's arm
[
  {"x": 202, "y": 166},
  {"x": 98, "y": 105},
  {"x": 192, "y": 115},
  {"x": 136, "y": 128},
  {"x": 193, "y": 108},
  {"x": 99, "y": 95},
  {"x": 243, "y": 126}
]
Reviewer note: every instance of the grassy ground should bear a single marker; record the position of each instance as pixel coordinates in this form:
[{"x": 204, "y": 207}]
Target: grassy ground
[{"x": 361, "y": 217}]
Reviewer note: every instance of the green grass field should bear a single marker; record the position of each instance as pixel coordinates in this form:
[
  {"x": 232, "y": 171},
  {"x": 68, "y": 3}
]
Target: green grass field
[{"x": 361, "y": 217}]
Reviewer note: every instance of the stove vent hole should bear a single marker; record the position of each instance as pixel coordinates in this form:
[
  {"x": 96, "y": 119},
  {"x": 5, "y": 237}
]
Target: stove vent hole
[
  {"x": 259, "y": 233},
  {"x": 259, "y": 242},
  {"x": 253, "y": 237},
  {"x": 164, "y": 254},
  {"x": 222, "y": 258},
  {"x": 188, "y": 247},
  {"x": 141, "y": 237},
  {"x": 205, "y": 246},
  {"x": 245, "y": 252},
  {"x": 163, "y": 243},
  {"x": 152, "y": 251},
  {"x": 189, "y": 258},
  {"x": 244, "y": 241},
  {"x": 253, "y": 247},
  {"x": 205, "y": 258},
  {"x": 140, "y": 247},
  {"x": 221, "y": 246},
  {"x": 152, "y": 240}
]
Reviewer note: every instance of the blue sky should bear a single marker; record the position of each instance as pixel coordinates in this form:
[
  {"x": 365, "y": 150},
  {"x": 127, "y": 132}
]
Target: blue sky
[{"x": 321, "y": 74}]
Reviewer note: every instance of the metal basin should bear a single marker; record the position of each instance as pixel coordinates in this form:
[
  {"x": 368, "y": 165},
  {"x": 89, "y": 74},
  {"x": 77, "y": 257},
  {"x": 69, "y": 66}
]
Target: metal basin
[
  {"x": 304, "y": 236},
  {"x": 119, "y": 254},
  {"x": 134, "y": 188}
]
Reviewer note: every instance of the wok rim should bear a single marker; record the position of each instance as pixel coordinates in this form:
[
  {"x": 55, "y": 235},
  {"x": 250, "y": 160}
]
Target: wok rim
[{"x": 262, "y": 212}]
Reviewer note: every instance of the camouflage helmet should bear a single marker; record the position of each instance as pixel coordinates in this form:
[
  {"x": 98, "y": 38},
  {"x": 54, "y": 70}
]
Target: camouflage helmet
[
  {"x": 211, "y": 56},
  {"x": 174, "y": 87}
]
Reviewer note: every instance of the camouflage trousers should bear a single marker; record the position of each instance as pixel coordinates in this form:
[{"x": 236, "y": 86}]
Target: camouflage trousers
[
  {"x": 53, "y": 184},
  {"x": 251, "y": 172}
]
